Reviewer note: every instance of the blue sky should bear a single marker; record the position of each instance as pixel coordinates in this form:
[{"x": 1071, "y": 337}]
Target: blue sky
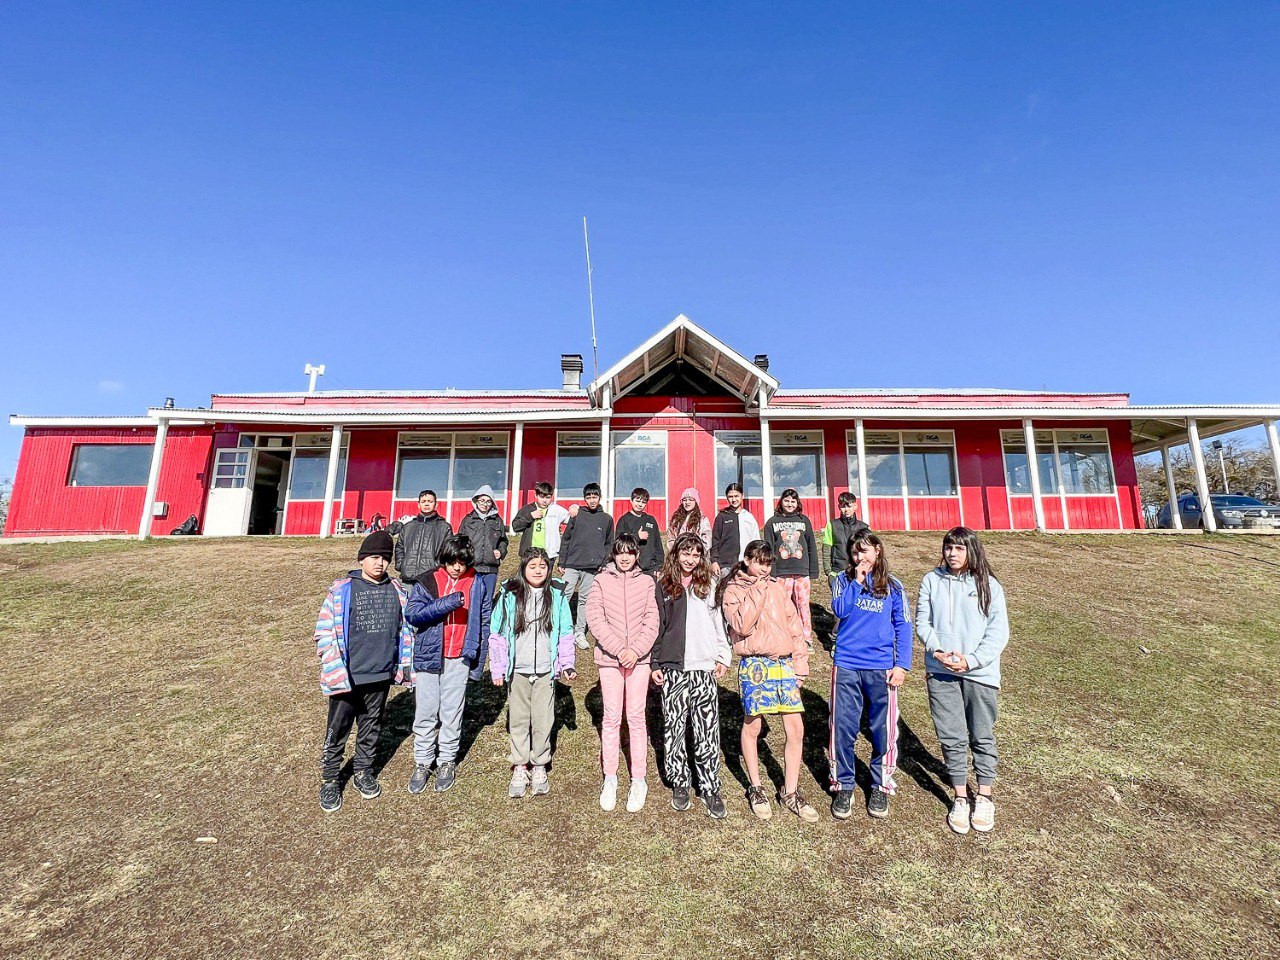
[{"x": 203, "y": 197}]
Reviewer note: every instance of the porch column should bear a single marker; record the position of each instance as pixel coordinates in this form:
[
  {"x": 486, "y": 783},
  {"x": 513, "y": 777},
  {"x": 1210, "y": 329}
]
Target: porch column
[
  {"x": 766, "y": 455},
  {"x": 331, "y": 481},
  {"x": 860, "y": 438},
  {"x": 517, "y": 455},
  {"x": 606, "y": 495},
  {"x": 1033, "y": 471},
  {"x": 1202, "y": 482},
  {"x": 153, "y": 479},
  {"x": 1175, "y": 515},
  {"x": 1273, "y": 441}
]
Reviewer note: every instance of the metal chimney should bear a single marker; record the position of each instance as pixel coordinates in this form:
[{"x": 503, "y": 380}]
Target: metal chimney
[
  {"x": 571, "y": 368},
  {"x": 762, "y": 361}
]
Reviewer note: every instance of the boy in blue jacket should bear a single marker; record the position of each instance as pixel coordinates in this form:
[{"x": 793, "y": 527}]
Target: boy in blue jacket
[
  {"x": 872, "y": 656},
  {"x": 363, "y": 641}
]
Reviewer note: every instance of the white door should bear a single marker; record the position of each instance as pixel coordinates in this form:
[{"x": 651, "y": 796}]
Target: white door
[{"x": 230, "y": 494}]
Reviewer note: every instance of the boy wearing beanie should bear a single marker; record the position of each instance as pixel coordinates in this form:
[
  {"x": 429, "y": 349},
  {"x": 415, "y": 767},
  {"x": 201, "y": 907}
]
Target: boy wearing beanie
[{"x": 362, "y": 640}]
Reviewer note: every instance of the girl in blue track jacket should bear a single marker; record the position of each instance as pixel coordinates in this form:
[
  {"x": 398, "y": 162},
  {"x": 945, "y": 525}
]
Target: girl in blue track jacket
[{"x": 872, "y": 656}]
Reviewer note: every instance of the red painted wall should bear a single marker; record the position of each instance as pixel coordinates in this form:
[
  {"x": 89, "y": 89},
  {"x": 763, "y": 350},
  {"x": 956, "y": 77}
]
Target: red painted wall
[{"x": 43, "y": 504}]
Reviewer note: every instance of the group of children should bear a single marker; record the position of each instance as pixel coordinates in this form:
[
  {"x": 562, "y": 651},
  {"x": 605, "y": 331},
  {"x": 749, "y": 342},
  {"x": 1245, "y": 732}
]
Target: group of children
[{"x": 672, "y": 618}]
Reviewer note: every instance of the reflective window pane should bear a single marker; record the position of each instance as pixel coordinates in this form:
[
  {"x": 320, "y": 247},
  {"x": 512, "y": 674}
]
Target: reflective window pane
[
  {"x": 930, "y": 472},
  {"x": 639, "y": 467},
  {"x": 798, "y": 467},
  {"x": 1085, "y": 469},
  {"x": 884, "y": 476},
  {"x": 740, "y": 464},
  {"x": 422, "y": 469},
  {"x": 472, "y": 468},
  {"x": 308, "y": 472},
  {"x": 575, "y": 468},
  {"x": 111, "y": 465},
  {"x": 1017, "y": 477}
]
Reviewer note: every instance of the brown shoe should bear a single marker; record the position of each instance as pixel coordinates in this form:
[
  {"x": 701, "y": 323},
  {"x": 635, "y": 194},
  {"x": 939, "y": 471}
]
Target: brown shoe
[
  {"x": 799, "y": 806},
  {"x": 758, "y": 802}
]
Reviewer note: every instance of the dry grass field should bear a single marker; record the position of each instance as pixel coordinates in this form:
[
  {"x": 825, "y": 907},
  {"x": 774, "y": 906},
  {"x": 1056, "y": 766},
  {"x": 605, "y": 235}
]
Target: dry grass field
[{"x": 152, "y": 694}]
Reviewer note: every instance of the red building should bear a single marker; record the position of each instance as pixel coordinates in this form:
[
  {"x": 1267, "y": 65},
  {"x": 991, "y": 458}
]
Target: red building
[{"x": 682, "y": 409}]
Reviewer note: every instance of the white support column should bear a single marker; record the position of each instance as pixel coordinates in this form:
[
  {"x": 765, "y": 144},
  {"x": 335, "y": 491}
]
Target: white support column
[
  {"x": 1033, "y": 471},
  {"x": 860, "y": 438},
  {"x": 1273, "y": 441},
  {"x": 517, "y": 455},
  {"x": 606, "y": 494},
  {"x": 766, "y": 454},
  {"x": 331, "y": 481},
  {"x": 1175, "y": 515},
  {"x": 1207, "y": 518},
  {"x": 153, "y": 480}
]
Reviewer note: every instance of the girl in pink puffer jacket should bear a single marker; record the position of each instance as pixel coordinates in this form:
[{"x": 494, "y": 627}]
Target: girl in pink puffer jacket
[{"x": 622, "y": 612}]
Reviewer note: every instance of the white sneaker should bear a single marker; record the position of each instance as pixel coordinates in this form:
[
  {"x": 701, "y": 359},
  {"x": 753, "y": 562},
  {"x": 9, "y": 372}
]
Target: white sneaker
[
  {"x": 958, "y": 818},
  {"x": 580, "y": 643},
  {"x": 519, "y": 781},
  {"x": 984, "y": 814},
  {"x": 539, "y": 780},
  {"x": 609, "y": 794},
  {"x": 637, "y": 795}
]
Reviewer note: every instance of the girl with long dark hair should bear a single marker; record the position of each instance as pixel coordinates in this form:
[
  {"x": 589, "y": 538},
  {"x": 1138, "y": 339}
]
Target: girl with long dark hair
[{"x": 964, "y": 625}]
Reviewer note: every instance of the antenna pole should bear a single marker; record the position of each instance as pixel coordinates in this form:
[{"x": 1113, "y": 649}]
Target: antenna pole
[{"x": 591, "y": 299}]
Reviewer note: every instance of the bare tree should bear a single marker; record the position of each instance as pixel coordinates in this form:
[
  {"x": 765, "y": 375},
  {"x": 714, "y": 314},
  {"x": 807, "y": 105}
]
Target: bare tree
[
  {"x": 1249, "y": 472},
  {"x": 6, "y": 491}
]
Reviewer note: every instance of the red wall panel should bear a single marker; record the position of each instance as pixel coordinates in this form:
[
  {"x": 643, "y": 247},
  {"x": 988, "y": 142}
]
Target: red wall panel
[
  {"x": 1092, "y": 513},
  {"x": 934, "y": 513}
]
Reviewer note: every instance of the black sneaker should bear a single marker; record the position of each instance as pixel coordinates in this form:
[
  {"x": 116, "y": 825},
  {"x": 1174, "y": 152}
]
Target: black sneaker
[
  {"x": 367, "y": 784},
  {"x": 330, "y": 795},
  {"x": 842, "y": 804},
  {"x": 418, "y": 782},
  {"x": 446, "y": 773},
  {"x": 680, "y": 799},
  {"x": 715, "y": 805},
  {"x": 878, "y": 803}
]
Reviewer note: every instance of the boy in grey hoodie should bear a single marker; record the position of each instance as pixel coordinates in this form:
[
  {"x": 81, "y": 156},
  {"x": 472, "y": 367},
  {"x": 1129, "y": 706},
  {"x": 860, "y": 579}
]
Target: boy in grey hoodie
[{"x": 488, "y": 536}]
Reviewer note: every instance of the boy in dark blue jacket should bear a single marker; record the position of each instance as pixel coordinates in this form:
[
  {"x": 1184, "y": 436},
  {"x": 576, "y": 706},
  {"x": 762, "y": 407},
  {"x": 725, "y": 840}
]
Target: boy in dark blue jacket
[
  {"x": 445, "y": 607},
  {"x": 872, "y": 656}
]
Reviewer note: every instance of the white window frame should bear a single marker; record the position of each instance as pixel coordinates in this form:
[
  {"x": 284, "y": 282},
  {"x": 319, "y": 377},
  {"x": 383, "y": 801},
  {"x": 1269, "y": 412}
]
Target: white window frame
[
  {"x": 651, "y": 439},
  {"x": 238, "y": 461},
  {"x": 308, "y": 442},
  {"x": 75, "y": 460},
  {"x": 587, "y": 439},
  {"x": 1052, "y": 437},
  {"x": 942, "y": 439},
  {"x": 779, "y": 440},
  {"x": 454, "y": 441}
]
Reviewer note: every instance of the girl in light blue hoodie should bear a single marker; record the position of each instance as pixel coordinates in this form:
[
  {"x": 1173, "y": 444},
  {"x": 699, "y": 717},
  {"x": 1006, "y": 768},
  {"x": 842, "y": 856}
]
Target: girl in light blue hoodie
[{"x": 961, "y": 618}]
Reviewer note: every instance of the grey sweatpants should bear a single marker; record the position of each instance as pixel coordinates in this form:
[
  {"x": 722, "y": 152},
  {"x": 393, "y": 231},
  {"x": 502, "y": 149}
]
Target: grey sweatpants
[
  {"x": 531, "y": 711},
  {"x": 438, "y": 701},
  {"x": 964, "y": 716},
  {"x": 582, "y": 579}
]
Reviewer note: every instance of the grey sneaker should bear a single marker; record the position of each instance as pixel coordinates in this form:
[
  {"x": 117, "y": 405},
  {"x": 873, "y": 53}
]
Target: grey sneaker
[
  {"x": 446, "y": 773},
  {"x": 330, "y": 796},
  {"x": 878, "y": 803},
  {"x": 715, "y": 804},
  {"x": 842, "y": 804},
  {"x": 367, "y": 784},
  {"x": 418, "y": 781},
  {"x": 680, "y": 799},
  {"x": 519, "y": 782},
  {"x": 541, "y": 786},
  {"x": 581, "y": 643}
]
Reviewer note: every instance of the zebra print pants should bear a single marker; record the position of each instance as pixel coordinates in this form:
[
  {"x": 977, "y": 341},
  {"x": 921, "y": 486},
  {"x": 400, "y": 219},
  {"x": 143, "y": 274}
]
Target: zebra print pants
[{"x": 690, "y": 699}]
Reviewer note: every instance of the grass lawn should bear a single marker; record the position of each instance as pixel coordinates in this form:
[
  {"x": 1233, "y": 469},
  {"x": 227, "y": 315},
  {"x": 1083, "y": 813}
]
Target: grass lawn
[{"x": 156, "y": 693}]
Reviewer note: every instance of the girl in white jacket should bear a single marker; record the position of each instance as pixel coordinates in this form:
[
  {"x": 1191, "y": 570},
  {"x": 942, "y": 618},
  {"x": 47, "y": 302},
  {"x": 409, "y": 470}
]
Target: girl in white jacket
[{"x": 961, "y": 618}]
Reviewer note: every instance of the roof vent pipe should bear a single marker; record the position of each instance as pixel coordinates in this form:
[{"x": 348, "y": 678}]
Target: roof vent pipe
[
  {"x": 762, "y": 361},
  {"x": 168, "y": 403},
  {"x": 571, "y": 368}
]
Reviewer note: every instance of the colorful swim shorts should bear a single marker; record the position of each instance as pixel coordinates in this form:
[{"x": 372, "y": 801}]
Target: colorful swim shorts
[{"x": 768, "y": 686}]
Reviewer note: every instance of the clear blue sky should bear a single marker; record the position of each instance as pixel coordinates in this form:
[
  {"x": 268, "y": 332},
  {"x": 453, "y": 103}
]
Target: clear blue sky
[{"x": 203, "y": 197}]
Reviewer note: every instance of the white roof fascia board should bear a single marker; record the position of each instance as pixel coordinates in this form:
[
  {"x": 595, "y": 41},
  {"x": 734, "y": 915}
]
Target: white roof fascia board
[
  {"x": 375, "y": 417},
  {"x": 19, "y": 420},
  {"x": 680, "y": 322},
  {"x": 452, "y": 394},
  {"x": 1211, "y": 412}
]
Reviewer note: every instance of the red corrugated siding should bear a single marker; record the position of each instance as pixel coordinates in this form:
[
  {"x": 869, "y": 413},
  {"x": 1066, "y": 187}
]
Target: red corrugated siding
[
  {"x": 934, "y": 513},
  {"x": 44, "y": 505},
  {"x": 885, "y": 513},
  {"x": 1092, "y": 513}
]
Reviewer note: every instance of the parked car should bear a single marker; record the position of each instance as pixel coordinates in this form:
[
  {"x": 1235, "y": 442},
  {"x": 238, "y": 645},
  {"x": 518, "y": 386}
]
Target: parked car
[{"x": 1232, "y": 511}]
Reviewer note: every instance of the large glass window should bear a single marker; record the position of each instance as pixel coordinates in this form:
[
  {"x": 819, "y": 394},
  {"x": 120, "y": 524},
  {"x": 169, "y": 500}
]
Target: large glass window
[
  {"x": 110, "y": 465},
  {"x": 924, "y": 460},
  {"x": 474, "y": 467},
  {"x": 931, "y": 471},
  {"x": 884, "y": 473},
  {"x": 309, "y": 471},
  {"x": 577, "y": 463},
  {"x": 1085, "y": 468},
  {"x": 800, "y": 468},
  {"x": 423, "y": 469},
  {"x": 639, "y": 460},
  {"x": 795, "y": 461},
  {"x": 739, "y": 461},
  {"x": 1018, "y": 478}
]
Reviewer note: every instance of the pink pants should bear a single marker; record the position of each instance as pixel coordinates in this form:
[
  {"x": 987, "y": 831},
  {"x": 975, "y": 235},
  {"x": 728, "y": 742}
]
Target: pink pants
[
  {"x": 801, "y": 588},
  {"x": 619, "y": 686}
]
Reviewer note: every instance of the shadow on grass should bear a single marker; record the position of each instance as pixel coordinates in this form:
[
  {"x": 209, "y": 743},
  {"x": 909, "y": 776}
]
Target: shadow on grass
[
  {"x": 566, "y": 714},
  {"x": 824, "y": 625},
  {"x": 915, "y": 760},
  {"x": 483, "y": 709},
  {"x": 397, "y": 726}
]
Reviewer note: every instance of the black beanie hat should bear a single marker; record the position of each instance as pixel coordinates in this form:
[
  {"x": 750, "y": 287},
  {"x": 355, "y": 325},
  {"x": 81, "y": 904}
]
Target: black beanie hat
[{"x": 377, "y": 544}]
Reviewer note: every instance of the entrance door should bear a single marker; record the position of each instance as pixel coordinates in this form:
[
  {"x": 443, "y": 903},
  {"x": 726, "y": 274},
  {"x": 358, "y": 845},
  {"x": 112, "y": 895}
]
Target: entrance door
[
  {"x": 270, "y": 484},
  {"x": 230, "y": 494}
]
